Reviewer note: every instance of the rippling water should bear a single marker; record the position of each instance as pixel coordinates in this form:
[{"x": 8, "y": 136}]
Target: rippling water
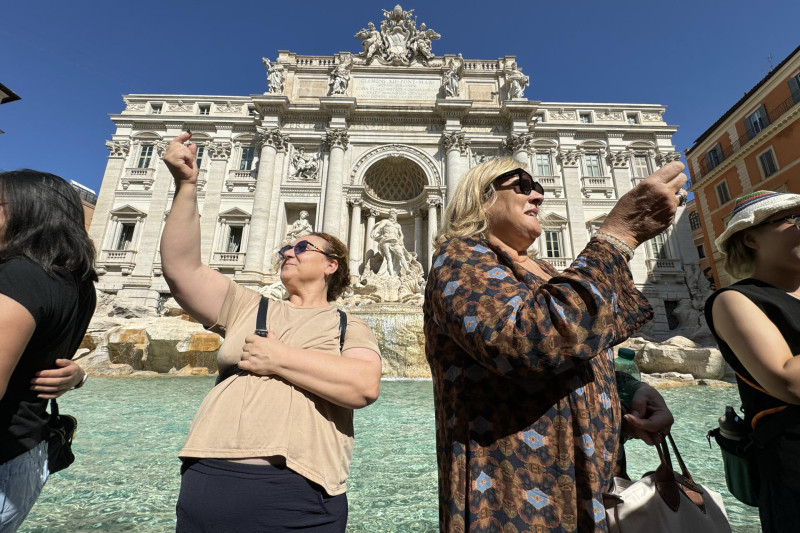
[{"x": 126, "y": 476}]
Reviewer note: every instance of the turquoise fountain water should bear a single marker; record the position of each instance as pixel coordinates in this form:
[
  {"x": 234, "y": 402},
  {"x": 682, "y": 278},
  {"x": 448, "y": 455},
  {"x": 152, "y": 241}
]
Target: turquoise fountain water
[{"x": 126, "y": 476}]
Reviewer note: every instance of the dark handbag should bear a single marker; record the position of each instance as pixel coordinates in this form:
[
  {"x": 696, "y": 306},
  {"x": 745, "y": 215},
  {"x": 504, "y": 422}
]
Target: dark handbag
[{"x": 59, "y": 442}]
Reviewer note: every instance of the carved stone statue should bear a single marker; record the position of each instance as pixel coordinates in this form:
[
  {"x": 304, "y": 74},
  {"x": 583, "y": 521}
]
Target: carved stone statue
[
  {"x": 340, "y": 77},
  {"x": 398, "y": 41},
  {"x": 299, "y": 228},
  {"x": 516, "y": 82},
  {"x": 275, "y": 76},
  {"x": 388, "y": 235},
  {"x": 370, "y": 42},
  {"x": 451, "y": 76},
  {"x": 303, "y": 167}
]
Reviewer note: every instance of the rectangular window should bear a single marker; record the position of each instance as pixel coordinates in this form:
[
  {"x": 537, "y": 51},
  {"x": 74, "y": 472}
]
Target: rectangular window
[
  {"x": 201, "y": 150},
  {"x": 553, "y": 242},
  {"x": 205, "y": 109},
  {"x": 701, "y": 251},
  {"x": 794, "y": 87},
  {"x": 641, "y": 166},
  {"x": 585, "y": 118},
  {"x": 543, "y": 165},
  {"x": 125, "y": 236},
  {"x": 757, "y": 121},
  {"x": 633, "y": 118},
  {"x": 246, "y": 162},
  {"x": 144, "y": 156},
  {"x": 593, "y": 165},
  {"x": 155, "y": 108},
  {"x": 714, "y": 157},
  {"x": 723, "y": 195},
  {"x": 658, "y": 245},
  {"x": 768, "y": 164},
  {"x": 234, "y": 243}
]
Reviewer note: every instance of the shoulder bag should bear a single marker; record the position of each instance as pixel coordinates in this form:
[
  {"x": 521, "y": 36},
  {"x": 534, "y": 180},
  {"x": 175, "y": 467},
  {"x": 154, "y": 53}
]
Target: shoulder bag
[
  {"x": 665, "y": 501},
  {"x": 59, "y": 442}
]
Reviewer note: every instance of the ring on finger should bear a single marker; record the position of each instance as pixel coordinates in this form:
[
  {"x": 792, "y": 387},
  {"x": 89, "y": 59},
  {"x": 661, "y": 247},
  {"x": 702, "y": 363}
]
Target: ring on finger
[{"x": 683, "y": 196}]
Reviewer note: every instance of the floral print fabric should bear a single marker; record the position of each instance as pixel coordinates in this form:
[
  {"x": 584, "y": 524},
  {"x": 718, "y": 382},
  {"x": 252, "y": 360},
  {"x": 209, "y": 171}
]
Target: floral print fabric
[{"x": 527, "y": 412}]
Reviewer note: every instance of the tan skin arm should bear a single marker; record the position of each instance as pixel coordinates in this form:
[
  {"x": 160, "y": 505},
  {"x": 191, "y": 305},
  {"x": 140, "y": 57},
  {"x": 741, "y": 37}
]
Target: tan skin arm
[
  {"x": 352, "y": 380},
  {"x": 758, "y": 344},
  {"x": 198, "y": 289},
  {"x": 16, "y": 328}
]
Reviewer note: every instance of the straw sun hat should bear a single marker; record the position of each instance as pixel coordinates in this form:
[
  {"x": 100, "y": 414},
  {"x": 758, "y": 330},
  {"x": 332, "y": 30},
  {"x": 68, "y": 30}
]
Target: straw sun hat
[{"x": 753, "y": 209}]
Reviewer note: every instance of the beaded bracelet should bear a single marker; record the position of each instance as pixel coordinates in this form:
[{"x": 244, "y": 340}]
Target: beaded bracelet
[{"x": 621, "y": 246}]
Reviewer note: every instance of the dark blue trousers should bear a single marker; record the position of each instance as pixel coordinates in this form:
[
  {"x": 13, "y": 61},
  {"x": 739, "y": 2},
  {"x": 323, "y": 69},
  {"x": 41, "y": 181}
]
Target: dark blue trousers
[{"x": 219, "y": 496}]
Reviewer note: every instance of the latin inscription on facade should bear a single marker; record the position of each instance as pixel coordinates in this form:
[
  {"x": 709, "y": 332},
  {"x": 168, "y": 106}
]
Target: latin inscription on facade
[{"x": 396, "y": 88}]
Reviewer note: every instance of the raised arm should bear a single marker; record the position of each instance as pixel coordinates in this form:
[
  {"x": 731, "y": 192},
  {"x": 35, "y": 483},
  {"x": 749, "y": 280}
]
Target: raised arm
[
  {"x": 198, "y": 289},
  {"x": 758, "y": 344}
]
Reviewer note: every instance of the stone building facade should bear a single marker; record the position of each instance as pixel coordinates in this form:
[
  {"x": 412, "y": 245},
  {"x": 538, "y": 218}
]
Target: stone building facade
[{"x": 343, "y": 142}]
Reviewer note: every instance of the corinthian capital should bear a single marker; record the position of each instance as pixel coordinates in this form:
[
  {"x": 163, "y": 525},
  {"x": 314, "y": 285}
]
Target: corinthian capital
[
  {"x": 668, "y": 157},
  {"x": 118, "y": 148},
  {"x": 519, "y": 142},
  {"x": 272, "y": 137},
  {"x": 433, "y": 202},
  {"x": 337, "y": 138},
  {"x": 569, "y": 158},
  {"x": 619, "y": 158},
  {"x": 219, "y": 150},
  {"x": 455, "y": 140}
]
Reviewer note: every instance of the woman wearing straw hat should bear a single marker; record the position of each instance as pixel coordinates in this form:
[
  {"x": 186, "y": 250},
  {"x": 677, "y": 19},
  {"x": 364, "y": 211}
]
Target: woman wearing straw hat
[{"x": 757, "y": 325}]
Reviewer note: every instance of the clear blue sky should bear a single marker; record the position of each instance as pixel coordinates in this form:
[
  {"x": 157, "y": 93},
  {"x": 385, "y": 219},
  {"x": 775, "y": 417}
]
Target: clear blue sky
[{"x": 71, "y": 61}]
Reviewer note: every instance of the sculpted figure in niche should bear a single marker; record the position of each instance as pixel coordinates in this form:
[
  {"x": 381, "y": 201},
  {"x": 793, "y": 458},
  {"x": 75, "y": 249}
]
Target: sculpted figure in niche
[
  {"x": 275, "y": 76},
  {"x": 340, "y": 77},
  {"x": 517, "y": 82},
  {"x": 389, "y": 237},
  {"x": 305, "y": 167},
  {"x": 299, "y": 227}
]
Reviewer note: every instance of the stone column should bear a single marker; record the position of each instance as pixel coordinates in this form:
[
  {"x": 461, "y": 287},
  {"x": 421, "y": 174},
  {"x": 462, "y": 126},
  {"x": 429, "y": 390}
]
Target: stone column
[
  {"x": 105, "y": 199},
  {"x": 572, "y": 192},
  {"x": 455, "y": 145},
  {"x": 520, "y": 147},
  {"x": 219, "y": 153},
  {"x": 373, "y": 213},
  {"x": 433, "y": 229},
  {"x": 337, "y": 140},
  {"x": 271, "y": 141},
  {"x": 418, "y": 233},
  {"x": 356, "y": 250}
]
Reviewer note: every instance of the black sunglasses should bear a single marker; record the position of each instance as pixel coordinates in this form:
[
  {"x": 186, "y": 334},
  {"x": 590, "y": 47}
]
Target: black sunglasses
[
  {"x": 300, "y": 248},
  {"x": 791, "y": 219},
  {"x": 526, "y": 183}
]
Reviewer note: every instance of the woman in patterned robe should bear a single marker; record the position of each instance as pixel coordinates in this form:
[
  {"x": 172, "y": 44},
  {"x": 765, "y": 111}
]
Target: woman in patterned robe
[{"x": 527, "y": 412}]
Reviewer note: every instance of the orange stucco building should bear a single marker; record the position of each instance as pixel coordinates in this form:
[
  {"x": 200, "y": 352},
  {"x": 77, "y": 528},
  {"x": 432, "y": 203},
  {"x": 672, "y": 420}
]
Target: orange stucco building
[{"x": 755, "y": 145}]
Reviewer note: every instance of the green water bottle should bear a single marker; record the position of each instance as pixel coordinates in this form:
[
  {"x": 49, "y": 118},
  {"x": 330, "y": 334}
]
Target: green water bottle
[{"x": 628, "y": 376}]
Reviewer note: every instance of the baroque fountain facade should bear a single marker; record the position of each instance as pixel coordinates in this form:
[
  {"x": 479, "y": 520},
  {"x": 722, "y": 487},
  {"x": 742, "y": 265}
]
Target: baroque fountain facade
[{"x": 368, "y": 146}]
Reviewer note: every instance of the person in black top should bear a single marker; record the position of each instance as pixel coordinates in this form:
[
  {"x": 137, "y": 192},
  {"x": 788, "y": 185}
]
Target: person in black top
[
  {"x": 757, "y": 325},
  {"x": 47, "y": 298}
]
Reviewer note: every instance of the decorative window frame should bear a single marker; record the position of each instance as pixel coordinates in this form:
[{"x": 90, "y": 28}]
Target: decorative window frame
[{"x": 760, "y": 163}]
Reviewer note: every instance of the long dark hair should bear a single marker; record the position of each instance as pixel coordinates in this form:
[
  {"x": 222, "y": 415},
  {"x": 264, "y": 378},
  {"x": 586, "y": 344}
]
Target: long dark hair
[{"x": 45, "y": 224}]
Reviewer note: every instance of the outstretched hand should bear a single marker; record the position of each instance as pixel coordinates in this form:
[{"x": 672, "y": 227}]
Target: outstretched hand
[
  {"x": 181, "y": 159},
  {"x": 54, "y": 382},
  {"x": 649, "y": 208},
  {"x": 650, "y": 417}
]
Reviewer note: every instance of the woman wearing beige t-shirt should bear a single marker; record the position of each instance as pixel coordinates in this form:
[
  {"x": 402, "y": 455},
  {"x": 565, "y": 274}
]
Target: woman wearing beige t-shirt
[{"x": 270, "y": 447}]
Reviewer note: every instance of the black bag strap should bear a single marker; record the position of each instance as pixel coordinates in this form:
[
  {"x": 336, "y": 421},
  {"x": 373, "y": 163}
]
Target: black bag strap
[
  {"x": 261, "y": 318},
  {"x": 53, "y": 408},
  {"x": 342, "y": 328}
]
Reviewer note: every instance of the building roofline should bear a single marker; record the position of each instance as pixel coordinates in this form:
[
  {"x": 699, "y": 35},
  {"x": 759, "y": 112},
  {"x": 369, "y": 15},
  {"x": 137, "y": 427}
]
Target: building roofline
[{"x": 743, "y": 99}]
